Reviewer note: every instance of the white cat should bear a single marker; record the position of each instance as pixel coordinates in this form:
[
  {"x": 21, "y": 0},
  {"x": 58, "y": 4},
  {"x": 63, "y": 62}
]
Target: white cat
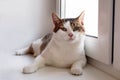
[{"x": 62, "y": 48}]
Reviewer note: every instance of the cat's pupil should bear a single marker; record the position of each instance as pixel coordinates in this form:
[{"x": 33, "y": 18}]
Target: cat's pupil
[{"x": 75, "y": 28}]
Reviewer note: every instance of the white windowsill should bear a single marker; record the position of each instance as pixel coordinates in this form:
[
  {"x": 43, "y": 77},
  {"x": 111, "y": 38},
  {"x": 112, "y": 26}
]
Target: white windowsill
[{"x": 11, "y": 67}]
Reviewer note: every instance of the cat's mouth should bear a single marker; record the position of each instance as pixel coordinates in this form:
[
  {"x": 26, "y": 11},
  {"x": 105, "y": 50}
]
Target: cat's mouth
[{"x": 71, "y": 39}]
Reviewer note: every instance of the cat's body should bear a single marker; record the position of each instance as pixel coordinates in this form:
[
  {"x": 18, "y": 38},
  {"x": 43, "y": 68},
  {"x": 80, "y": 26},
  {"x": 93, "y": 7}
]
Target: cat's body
[
  {"x": 62, "y": 48},
  {"x": 62, "y": 54}
]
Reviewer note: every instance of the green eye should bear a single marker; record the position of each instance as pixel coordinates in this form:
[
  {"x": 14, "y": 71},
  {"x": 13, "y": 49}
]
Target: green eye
[
  {"x": 64, "y": 29},
  {"x": 75, "y": 28}
]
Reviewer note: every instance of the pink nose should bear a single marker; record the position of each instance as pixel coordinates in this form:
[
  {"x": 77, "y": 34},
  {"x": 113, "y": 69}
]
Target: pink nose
[{"x": 70, "y": 34}]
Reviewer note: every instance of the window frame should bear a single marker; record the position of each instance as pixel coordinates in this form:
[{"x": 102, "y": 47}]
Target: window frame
[{"x": 100, "y": 48}]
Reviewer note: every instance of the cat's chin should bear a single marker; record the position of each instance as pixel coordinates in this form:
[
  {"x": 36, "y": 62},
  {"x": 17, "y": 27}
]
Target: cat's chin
[{"x": 71, "y": 39}]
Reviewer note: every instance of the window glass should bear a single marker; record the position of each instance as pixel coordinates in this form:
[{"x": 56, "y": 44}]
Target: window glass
[{"x": 73, "y": 8}]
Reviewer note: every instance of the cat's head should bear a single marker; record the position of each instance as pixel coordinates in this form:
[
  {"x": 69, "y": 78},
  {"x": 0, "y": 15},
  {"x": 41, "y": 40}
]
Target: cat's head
[{"x": 68, "y": 29}]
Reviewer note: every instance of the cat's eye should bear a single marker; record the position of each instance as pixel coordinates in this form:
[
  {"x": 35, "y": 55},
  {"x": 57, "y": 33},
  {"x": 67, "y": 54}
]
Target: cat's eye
[
  {"x": 64, "y": 29},
  {"x": 76, "y": 28}
]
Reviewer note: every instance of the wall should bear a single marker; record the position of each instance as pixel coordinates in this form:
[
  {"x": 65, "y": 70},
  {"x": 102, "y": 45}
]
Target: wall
[
  {"x": 23, "y": 21},
  {"x": 116, "y": 61}
]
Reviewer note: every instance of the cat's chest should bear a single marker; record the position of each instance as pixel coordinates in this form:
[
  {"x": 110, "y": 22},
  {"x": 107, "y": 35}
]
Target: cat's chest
[
  {"x": 66, "y": 52},
  {"x": 63, "y": 56},
  {"x": 69, "y": 50}
]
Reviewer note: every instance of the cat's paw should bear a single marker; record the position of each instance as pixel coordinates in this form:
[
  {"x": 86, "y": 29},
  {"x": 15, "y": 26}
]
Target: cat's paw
[
  {"x": 29, "y": 70},
  {"x": 76, "y": 71},
  {"x": 19, "y": 52}
]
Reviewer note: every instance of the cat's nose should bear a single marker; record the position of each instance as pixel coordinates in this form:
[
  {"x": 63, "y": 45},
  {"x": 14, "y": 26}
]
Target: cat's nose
[{"x": 70, "y": 35}]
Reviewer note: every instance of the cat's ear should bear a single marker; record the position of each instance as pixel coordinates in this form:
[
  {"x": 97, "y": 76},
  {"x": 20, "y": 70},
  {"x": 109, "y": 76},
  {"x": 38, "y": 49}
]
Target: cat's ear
[
  {"x": 56, "y": 19},
  {"x": 80, "y": 18}
]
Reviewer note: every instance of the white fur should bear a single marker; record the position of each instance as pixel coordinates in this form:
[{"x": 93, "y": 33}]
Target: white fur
[
  {"x": 61, "y": 52},
  {"x": 36, "y": 47},
  {"x": 22, "y": 51}
]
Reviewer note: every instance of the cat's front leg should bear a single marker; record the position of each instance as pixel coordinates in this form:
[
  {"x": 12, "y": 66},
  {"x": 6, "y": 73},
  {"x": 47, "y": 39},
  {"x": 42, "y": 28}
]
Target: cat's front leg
[
  {"x": 77, "y": 67},
  {"x": 38, "y": 63}
]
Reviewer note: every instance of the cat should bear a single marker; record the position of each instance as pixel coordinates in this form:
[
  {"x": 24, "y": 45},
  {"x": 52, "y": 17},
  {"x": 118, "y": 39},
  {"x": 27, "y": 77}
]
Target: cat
[{"x": 64, "y": 47}]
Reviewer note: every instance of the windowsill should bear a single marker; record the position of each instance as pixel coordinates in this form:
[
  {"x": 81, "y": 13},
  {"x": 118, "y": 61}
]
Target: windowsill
[
  {"x": 109, "y": 69},
  {"x": 91, "y": 36},
  {"x": 12, "y": 66}
]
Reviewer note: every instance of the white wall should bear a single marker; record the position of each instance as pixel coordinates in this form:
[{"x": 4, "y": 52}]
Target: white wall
[{"x": 23, "y": 21}]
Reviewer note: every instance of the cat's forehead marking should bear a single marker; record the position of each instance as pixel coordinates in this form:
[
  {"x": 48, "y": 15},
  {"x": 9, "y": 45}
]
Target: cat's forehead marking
[{"x": 67, "y": 24}]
